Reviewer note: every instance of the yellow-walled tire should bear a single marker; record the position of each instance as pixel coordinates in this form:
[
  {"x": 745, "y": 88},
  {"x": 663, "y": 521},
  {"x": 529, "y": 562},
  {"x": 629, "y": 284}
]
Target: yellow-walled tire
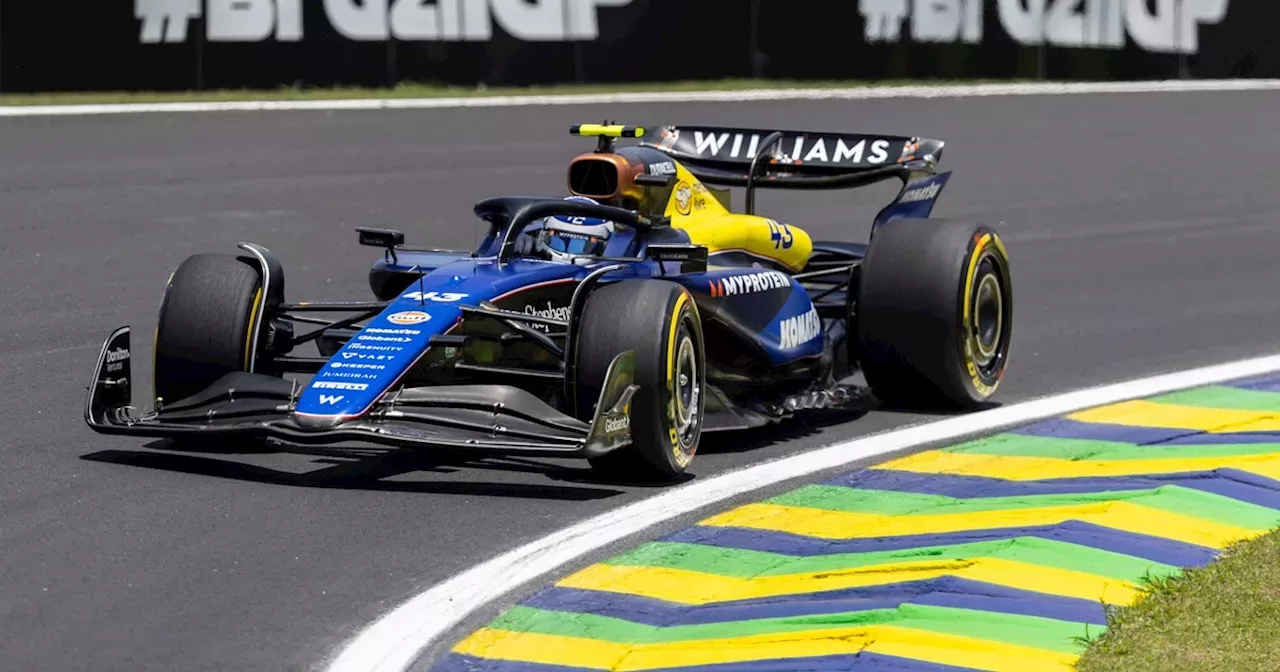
[
  {"x": 206, "y": 324},
  {"x": 660, "y": 321},
  {"x": 935, "y": 313}
]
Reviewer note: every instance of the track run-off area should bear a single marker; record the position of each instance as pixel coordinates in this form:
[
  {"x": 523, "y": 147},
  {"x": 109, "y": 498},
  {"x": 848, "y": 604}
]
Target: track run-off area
[{"x": 1142, "y": 236}]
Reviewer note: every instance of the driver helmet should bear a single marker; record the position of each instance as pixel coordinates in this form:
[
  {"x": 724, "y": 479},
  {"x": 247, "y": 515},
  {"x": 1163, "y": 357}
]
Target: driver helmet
[{"x": 563, "y": 237}]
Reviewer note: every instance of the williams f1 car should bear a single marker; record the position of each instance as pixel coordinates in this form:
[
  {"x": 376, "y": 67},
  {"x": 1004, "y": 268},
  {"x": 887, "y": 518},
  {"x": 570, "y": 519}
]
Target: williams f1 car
[{"x": 617, "y": 325}]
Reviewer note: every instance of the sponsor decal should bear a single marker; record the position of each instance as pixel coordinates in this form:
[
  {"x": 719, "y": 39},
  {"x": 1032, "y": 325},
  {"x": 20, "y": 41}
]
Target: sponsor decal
[
  {"x": 617, "y": 424},
  {"x": 438, "y": 297},
  {"x": 355, "y": 387},
  {"x": 379, "y": 348},
  {"x": 920, "y": 193},
  {"x": 802, "y": 149},
  {"x": 780, "y": 234},
  {"x": 1169, "y": 26},
  {"x": 796, "y": 331},
  {"x": 361, "y": 355},
  {"x": 662, "y": 168},
  {"x": 408, "y": 317},
  {"x": 551, "y": 311},
  {"x": 373, "y": 21},
  {"x": 384, "y": 339},
  {"x": 393, "y": 332},
  {"x": 348, "y": 374},
  {"x": 683, "y": 194},
  {"x": 116, "y": 358},
  {"x": 331, "y": 399},
  {"x": 753, "y": 283},
  {"x": 357, "y": 365}
]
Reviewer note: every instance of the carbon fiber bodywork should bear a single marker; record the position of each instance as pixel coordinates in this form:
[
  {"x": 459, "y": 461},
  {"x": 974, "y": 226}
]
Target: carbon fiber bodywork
[{"x": 242, "y": 405}]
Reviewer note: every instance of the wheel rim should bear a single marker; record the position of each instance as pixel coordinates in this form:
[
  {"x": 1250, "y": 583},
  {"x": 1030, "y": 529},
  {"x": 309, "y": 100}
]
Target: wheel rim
[
  {"x": 988, "y": 323},
  {"x": 688, "y": 390},
  {"x": 986, "y": 328}
]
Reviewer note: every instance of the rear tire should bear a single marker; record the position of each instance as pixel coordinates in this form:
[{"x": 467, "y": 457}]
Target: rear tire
[
  {"x": 206, "y": 324},
  {"x": 935, "y": 313},
  {"x": 659, "y": 320}
]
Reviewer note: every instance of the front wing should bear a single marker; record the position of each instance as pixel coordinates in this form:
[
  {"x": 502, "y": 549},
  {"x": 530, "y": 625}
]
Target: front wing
[{"x": 493, "y": 419}]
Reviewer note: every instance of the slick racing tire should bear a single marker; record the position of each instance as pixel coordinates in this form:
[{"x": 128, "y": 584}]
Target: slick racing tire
[
  {"x": 935, "y": 313},
  {"x": 659, "y": 321},
  {"x": 206, "y": 325}
]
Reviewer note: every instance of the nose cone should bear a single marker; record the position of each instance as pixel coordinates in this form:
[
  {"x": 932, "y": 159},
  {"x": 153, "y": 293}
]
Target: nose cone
[{"x": 317, "y": 423}]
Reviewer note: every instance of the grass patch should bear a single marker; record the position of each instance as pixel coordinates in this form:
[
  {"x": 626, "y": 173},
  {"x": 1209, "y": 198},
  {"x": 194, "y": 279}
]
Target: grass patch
[
  {"x": 440, "y": 91},
  {"x": 1223, "y": 617}
]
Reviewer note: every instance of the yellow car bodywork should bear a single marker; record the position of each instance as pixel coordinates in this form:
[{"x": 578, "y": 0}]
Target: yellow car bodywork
[{"x": 695, "y": 209}]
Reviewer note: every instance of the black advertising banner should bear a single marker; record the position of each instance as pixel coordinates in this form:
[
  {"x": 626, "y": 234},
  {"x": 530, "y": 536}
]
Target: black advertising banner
[{"x": 213, "y": 44}]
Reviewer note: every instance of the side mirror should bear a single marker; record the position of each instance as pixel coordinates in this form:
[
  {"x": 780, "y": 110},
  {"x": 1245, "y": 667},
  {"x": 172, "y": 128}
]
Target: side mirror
[
  {"x": 380, "y": 237},
  {"x": 384, "y": 238},
  {"x": 692, "y": 258}
]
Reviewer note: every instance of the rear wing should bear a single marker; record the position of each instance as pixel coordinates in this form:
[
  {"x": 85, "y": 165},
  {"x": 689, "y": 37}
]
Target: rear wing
[
  {"x": 780, "y": 159},
  {"x": 789, "y": 159}
]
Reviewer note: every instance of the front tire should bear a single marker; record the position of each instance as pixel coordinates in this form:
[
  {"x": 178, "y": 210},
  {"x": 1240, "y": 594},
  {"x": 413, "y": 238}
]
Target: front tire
[
  {"x": 206, "y": 325},
  {"x": 935, "y": 313},
  {"x": 660, "y": 321}
]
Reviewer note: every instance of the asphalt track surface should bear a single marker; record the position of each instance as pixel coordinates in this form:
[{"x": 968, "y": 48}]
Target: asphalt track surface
[{"x": 1142, "y": 227}]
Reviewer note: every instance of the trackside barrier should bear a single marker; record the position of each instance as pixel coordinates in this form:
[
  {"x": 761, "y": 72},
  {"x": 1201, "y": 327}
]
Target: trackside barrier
[{"x": 215, "y": 44}]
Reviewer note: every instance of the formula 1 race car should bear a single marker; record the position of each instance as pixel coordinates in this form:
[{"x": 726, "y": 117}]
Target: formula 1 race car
[{"x": 617, "y": 324}]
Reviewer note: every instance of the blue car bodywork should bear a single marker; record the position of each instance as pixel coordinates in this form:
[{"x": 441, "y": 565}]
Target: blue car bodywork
[{"x": 412, "y": 367}]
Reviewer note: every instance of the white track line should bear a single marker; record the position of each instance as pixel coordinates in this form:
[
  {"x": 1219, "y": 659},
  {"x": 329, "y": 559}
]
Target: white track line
[
  {"x": 393, "y": 642},
  {"x": 633, "y": 98}
]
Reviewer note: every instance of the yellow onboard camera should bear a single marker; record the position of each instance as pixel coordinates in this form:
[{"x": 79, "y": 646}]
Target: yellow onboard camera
[{"x": 606, "y": 130}]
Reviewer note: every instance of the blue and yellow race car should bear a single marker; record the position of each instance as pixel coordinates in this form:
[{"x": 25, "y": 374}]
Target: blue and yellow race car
[{"x": 618, "y": 324}]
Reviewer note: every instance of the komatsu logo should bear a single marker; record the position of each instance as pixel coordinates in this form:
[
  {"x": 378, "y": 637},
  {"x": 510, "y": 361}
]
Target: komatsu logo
[
  {"x": 921, "y": 193},
  {"x": 749, "y": 284},
  {"x": 796, "y": 331}
]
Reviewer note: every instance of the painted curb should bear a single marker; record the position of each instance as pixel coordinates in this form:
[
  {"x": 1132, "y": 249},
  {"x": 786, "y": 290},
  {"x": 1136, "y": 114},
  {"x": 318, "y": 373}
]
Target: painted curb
[
  {"x": 394, "y": 641},
  {"x": 1000, "y": 553}
]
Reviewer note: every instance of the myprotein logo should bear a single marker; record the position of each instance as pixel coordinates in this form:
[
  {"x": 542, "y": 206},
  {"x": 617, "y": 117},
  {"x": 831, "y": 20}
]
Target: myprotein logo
[
  {"x": 753, "y": 283},
  {"x": 1168, "y": 26},
  {"x": 375, "y": 20}
]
